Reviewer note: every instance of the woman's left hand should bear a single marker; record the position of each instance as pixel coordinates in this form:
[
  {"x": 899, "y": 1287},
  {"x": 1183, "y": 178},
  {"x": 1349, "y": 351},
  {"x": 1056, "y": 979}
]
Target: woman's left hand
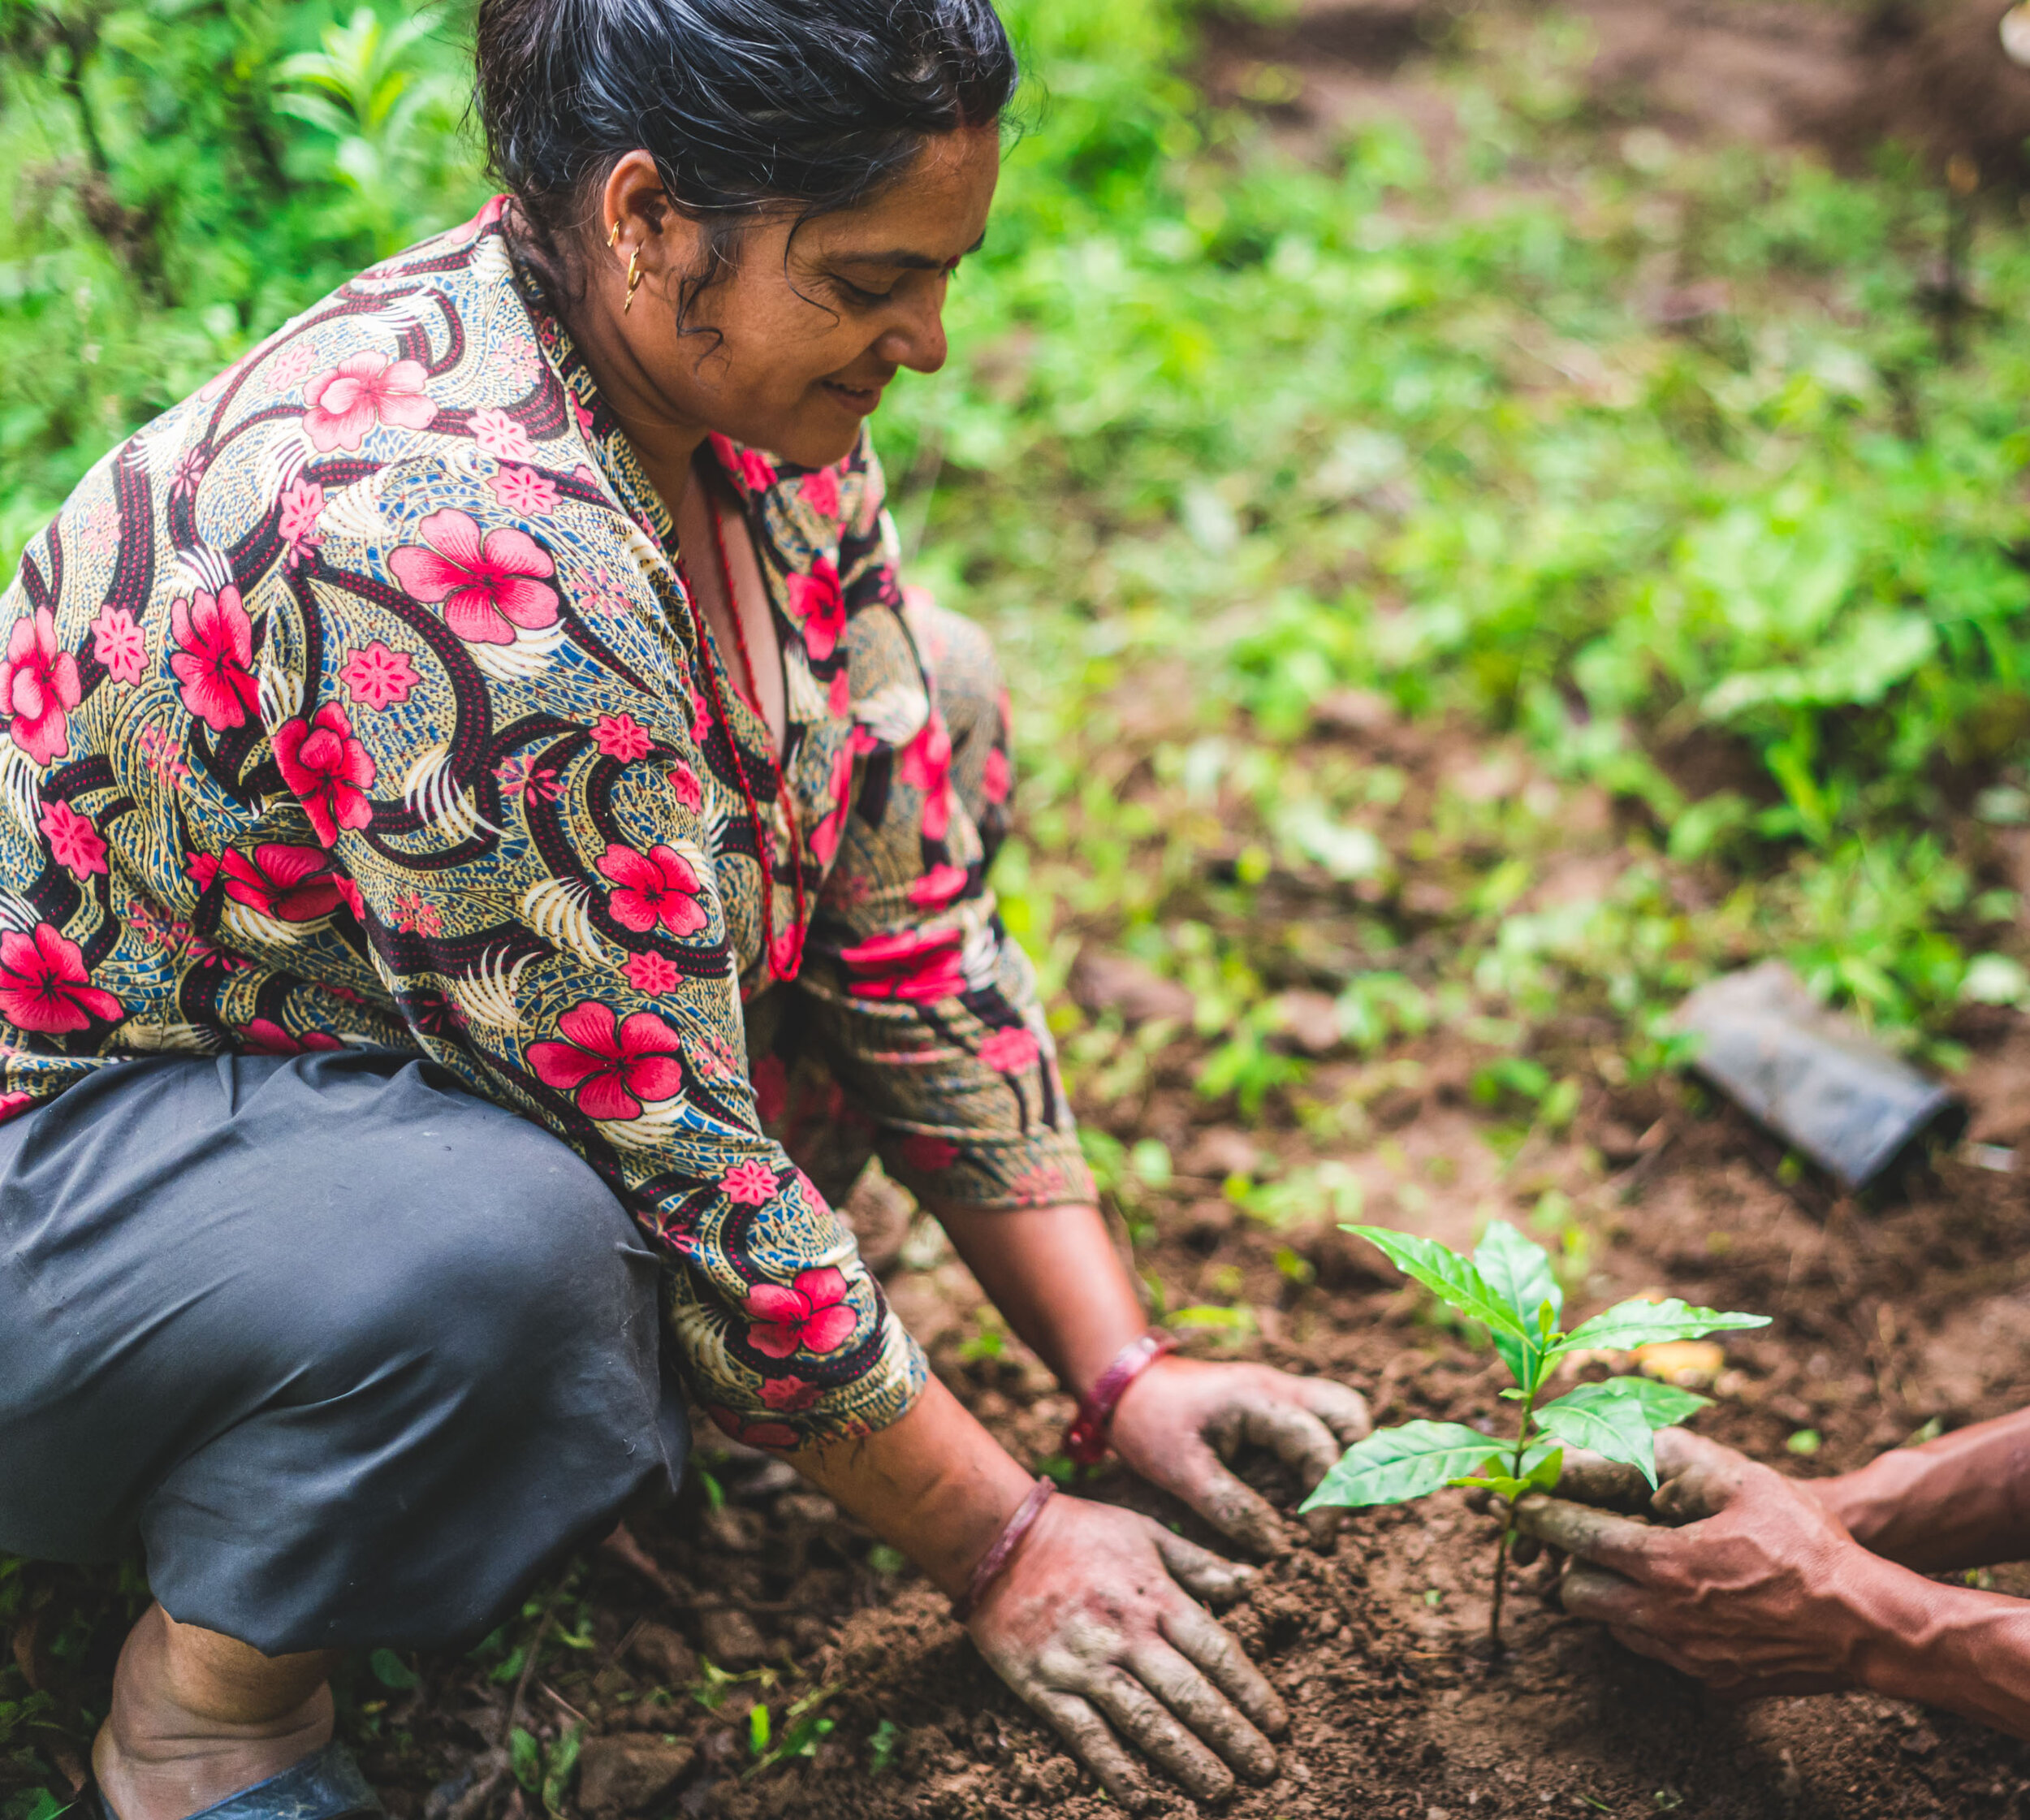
[{"x": 1181, "y": 1421}]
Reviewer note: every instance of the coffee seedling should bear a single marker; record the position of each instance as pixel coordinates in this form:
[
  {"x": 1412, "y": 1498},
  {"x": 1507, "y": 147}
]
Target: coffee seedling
[{"x": 1507, "y": 1286}]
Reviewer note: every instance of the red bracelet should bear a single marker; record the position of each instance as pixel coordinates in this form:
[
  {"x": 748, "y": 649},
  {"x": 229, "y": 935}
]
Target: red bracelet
[
  {"x": 1086, "y": 1440},
  {"x": 988, "y": 1568}
]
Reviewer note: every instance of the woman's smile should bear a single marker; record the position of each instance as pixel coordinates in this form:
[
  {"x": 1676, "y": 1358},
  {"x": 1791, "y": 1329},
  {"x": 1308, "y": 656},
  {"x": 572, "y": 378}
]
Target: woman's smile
[{"x": 863, "y": 400}]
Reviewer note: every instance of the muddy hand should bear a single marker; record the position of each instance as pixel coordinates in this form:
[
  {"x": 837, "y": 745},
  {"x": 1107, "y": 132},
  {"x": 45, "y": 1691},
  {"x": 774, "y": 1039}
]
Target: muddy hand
[
  {"x": 1093, "y": 1625},
  {"x": 1181, "y": 1415},
  {"x": 1758, "y": 1591}
]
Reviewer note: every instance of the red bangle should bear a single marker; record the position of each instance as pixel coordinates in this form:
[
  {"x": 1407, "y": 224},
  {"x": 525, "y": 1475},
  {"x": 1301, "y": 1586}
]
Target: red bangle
[
  {"x": 1086, "y": 1440},
  {"x": 988, "y": 1568}
]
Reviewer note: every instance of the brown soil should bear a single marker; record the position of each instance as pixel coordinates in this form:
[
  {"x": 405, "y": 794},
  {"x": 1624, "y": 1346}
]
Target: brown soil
[
  {"x": 1839, "y": 74},
  {"x": 1886, "y": 1316}
]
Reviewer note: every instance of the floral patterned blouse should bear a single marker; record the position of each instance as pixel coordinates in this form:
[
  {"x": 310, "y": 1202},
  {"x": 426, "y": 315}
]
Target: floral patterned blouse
[{"x": 356, "y": 701}]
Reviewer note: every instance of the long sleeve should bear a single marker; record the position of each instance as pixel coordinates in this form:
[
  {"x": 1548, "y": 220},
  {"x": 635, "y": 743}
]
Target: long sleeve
[
  {"x": 513, "y": 785},
  {"x": 927, "y": 1008}
]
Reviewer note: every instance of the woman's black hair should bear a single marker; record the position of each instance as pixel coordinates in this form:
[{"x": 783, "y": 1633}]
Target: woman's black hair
[{"x": 745, "y": 105}]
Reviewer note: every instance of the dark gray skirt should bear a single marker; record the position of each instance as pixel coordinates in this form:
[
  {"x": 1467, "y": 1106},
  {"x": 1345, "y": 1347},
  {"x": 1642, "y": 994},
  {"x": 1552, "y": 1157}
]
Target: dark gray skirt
[{"x": 356, "y": 1354}]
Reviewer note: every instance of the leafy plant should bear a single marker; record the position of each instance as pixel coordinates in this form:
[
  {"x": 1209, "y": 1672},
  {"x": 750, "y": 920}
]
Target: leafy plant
[{"x": 1508, "y": 1286}]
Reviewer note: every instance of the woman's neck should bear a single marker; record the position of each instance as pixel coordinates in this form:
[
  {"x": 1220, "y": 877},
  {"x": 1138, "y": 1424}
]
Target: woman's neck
[{"x": 664, "y": 441}]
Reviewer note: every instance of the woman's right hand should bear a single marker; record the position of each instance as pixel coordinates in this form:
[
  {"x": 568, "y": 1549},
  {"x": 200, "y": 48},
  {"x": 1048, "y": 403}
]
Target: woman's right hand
[{"x": 1094, "y": 1624}]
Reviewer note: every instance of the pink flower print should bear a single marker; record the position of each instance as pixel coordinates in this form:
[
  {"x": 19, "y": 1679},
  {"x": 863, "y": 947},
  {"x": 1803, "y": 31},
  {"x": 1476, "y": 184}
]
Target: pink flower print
[
  {"x": 776, "y": 1436},
  {"x": 820, "y": 492},
  {"x": 39, "y": 684},
  {"x": 926, "y": 762},
  {"x": 188, "y": 471},
  {"x": 756, "y": 473},
  {"x": 913, "y": 965},
  {"x": 214, "y": 639},
  {"x": 585, "y": 418},
  {"x": 658, "y": 886},
  {"x": 499, "y": 435},
  {"x": 360, "y": 392},
  {"x": 299, "y": 508},
  {"x": 356, "y": 902},
  {"x": 622, "y": 736},
  {"x": 12, "y": 1105},
  {"x": 416, "y": 915},
  {"x": 750, "y": 1183},
  {"x": 700, "y": 715},
  {"x": 819, "y": 606},
  {"x": 813, "y": 1316},
  {"x": 489, "y": 587},
  {"x": 328, "y": 769},
  {"x": 73, "y": 841},
  {"x": 292, "y": 884},
  {"x": 1041, "y": 1185},
  {"x": 997, "y": 776},
  {"x": 520, "y": 775},
  {"x": 611, "y": 1067},
  {"x": 938, "y": 887},
  {"x": 653, "y": 973},
  {"x": 786, "y": 1395},
  {"x": 378, "y": 677},
  {"x": 689, "y": 792},
  {"x": 839, "y": 698},
  {"x": 1009, "y": 1052},
  {"x": 44, "y": 985},
  {"x": 264, "y": 1036},
  {"x": 120, "y": 645},
  {"x": 825, "y": 836},
  {"x": 524, "y": 492},
  {"x": 922, "y": 1151},
  {"x": 291, "y": 364},
  {"x": 203, "y": 868}
]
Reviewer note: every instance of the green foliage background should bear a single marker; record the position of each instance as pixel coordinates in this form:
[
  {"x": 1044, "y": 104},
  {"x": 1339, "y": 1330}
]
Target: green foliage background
[{"x": 1265, "y": 428}]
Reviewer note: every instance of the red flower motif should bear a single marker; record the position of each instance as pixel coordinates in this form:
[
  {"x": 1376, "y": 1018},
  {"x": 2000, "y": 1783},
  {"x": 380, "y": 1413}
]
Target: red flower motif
[
  {"x": 774, "y": 1435},
  {"x": 997, "y": 776},
  {"x": 1009, "y": 1052},
  {"x": 611, "y": 1068},
  {"x": 938, "y": 887},
  {"x": 292, "y": 884},
  {"x": 120, "y": 644},
  {"x": 756, "y": 472},
  {"x": 297, "y": 512},
  {"x": 928, "y": 1154},
  {"x": 378, "y": 677},
  {"x": 498, "y": 435},
  {"x": 524, "y": 492},
  {"x": 264, "y": 1036},
  {"x": 820, "y": 492},
  {"x": 818, "y": 605},
  {"x": 215, "y": 639},
  {"x": 488, "y": 586},
  {"x": 73, "y": 840},
  {"x": 926, "y": 762},
  {"x": 12, "y": 1105},
  {"x": 811, "y": 1316},
  {"x": 787, "y": 1394},
  {"x": 653, "y": 973},
  {"x": 839, "y": 696},
  {"x": 689, "y": 792},
  {"x": 658, "y": 886},
  {"x": 360, "y": 392},
  {"x": 749, "y": 1183},
  {"x": 622, "y": 736},
  {"x": 39, "y": 684},
  {"x": 328, "y": 769},
  {"x": 913, "y": 965},
  {"x": 44, "y": 985}
]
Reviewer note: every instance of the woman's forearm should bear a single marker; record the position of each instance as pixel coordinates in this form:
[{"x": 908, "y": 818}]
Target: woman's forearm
[
  {"x": 1962, "y": 1500},
  {"x": 1058, "y": 1279},
  {"x": 936, "y": 1485}
]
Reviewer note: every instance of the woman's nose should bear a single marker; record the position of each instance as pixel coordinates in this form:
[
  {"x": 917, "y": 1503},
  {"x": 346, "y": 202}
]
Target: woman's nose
[{"x": 917, "y": 340}]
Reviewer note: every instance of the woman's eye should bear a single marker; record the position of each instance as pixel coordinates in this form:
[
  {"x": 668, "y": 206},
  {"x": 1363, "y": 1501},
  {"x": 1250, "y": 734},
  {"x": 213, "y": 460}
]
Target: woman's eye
[{"x": 867, "y": 300}]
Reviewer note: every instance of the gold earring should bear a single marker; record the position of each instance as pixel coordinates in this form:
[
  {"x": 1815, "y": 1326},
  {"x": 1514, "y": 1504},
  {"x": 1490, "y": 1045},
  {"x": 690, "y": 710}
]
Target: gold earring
[
  {"x": 634, "y": 280},
  {"x": 613, "y": 238}
]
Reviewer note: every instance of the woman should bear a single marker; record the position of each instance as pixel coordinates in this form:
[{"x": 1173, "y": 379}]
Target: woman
[{"x": 466, "y": 808}]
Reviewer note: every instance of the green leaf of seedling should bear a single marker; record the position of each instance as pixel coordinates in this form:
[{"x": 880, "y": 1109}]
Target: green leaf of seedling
[
  {"x": 1520, "y": 1275},
  {"x": 524, "y": 1757},
  {"x": 1663, "y": 1405},
  {"x": 757, "y": 1731},
  {"x": 1629, "y": 1325},
  {"x": 1392, "y": 1466},
  {"x": 1452, "y": 1278},
  {"x": 881, "y": 1746},
  {"x": 392, "y": 1672},
  {"x": 1614, "y": 1427},
  {"x": 1543, "y": 1463}
]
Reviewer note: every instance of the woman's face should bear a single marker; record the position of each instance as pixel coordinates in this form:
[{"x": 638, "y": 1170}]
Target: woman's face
[{"x": 813, "y": 322}]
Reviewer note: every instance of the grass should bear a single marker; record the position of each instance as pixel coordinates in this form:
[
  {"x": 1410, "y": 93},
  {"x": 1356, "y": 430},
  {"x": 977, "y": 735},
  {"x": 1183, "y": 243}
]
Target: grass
[{"x": 1644, "y": 468}]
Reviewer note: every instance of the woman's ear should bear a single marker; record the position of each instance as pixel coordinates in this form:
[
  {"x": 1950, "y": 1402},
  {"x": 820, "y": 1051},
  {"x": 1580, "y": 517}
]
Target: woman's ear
[{"x": 645, "y": 236}]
